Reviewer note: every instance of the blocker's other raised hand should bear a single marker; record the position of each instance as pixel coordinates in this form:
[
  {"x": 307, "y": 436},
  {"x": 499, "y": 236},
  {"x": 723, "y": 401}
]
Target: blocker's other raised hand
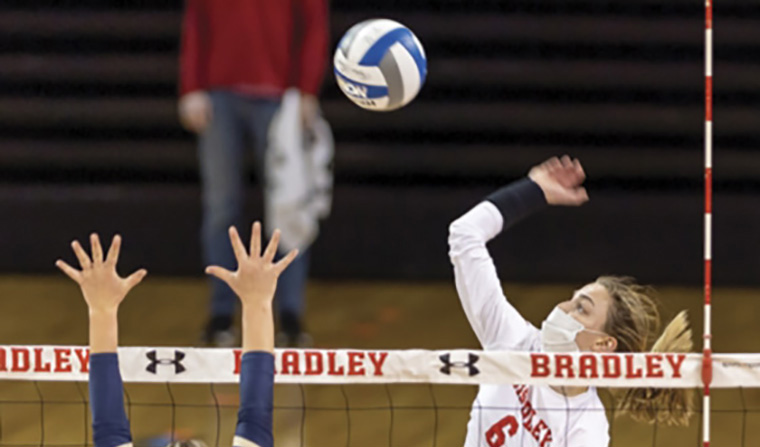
[
  {"x": 561, "y": 181},
  {"x": 255, "y": 280},
  {"x": 101, "y": 285}
]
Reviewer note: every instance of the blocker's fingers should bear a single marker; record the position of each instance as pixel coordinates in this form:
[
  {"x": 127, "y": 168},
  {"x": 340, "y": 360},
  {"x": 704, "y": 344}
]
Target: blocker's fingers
[
  {"x": 113, "y": 252},
  {"x": 272, "y": 247},
  {"x": 84, "y": 259},
  {"x": 566, "y": 161},
  {"x": 237, "y": 245},
  {"x": 70, "y": 271},
  {"x": 97, "y": 249},
  {"x": 135, "y": 278},
  {"x": 283, "y": 263},
  {"x": 256, "y": 239},
  {"x": 219, "y": 272}
]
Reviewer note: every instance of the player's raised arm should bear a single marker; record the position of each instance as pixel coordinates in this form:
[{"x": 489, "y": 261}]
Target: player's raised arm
[
  {"x": 496, "y": 323},
  {"x": 104, "y": 290},
  {"x": 255, "y": 282}
]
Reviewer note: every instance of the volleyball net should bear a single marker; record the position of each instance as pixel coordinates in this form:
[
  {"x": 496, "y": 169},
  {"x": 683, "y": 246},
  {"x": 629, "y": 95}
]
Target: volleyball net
[{"x": 346, "y": 397}]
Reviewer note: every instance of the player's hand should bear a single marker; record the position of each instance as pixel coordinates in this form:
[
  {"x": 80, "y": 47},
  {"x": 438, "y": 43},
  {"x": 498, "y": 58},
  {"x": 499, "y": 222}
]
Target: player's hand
[
  {"x": 195, "y": 111},
  {"x": 102, "y": 287},
  {"x": 309, "y": 110},
  {"x": 255, "y": 280},
  {"x": 561, "y": 180}
]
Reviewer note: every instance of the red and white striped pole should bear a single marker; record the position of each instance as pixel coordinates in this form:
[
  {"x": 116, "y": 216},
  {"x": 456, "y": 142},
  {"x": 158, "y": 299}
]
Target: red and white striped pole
[{"x": 707, "y": 348}]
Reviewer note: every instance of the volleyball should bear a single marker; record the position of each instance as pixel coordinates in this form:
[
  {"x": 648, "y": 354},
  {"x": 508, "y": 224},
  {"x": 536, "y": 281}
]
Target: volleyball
[{"x": 380, "y": 65}]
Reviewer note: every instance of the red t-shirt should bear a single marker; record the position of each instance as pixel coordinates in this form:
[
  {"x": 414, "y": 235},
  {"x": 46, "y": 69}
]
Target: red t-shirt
[{"x": 256, "y": 47}]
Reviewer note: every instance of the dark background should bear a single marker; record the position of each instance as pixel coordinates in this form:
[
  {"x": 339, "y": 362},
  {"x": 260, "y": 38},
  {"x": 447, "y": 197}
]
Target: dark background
[{"x": 89, "y": 139}]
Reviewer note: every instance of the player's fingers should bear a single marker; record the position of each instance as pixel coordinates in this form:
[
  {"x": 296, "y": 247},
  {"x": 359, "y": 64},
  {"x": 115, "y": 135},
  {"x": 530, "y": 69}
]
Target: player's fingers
[
  {"x": 272, "y": 247},
  {"x": 566, "y": 179},
  {"x": 135, "y": 278},
  {"x": 70, "y": 271},
  {"x": 84, "y": 259},
  {"x": 237, "y": 245},
  {"x": 552, "y": 164},
  {"x": 113, "y": 252},
  {"x": 579, "y": 169},
  {"x": 96, "y": 248},
  {"x": 566, "y": 161},
  {"x": 256, "y": 239},
  {"x": 283, "y": 263},
  {"x": 580, "y": 196},
  {"x": 219, "y": 272}
]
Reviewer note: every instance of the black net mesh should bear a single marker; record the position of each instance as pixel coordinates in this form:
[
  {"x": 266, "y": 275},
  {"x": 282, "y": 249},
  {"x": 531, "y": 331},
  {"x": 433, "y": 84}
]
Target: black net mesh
[{"x": 56, "y": 414}]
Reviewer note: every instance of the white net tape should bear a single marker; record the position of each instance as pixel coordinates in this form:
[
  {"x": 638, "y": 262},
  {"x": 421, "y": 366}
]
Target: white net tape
[{"x": 346, "y": 366}]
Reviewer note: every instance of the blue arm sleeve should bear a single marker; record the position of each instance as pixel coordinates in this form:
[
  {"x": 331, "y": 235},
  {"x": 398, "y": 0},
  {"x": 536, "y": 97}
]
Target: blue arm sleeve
[
  {"x": 256, "y": 394},
  {"x": 110, "y": 427}
]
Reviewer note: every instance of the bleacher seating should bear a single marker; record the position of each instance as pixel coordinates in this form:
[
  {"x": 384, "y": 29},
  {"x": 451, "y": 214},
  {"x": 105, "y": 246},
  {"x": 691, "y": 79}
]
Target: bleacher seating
[{"x": 88, "y": 106}]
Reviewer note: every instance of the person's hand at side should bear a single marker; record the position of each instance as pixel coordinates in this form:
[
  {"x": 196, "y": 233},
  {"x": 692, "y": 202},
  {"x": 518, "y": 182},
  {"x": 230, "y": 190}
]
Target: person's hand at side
[{"x": 195, "y": 111}]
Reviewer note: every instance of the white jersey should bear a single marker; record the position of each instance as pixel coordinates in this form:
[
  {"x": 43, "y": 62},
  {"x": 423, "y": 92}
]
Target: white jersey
[{"x": 507, "y": 415}]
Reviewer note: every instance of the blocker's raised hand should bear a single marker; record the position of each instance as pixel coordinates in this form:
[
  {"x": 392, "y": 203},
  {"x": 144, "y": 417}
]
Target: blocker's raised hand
[
  {"x": 561, "y": 181},
  {"x": 102, "y": 287},
  {"x": 255, "y": 280}
]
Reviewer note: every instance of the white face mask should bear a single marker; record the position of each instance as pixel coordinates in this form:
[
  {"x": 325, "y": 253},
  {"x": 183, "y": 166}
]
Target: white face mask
[{"x": 559, "y": 330}]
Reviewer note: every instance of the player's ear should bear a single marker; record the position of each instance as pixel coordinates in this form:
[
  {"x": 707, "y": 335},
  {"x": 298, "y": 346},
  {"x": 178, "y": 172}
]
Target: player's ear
[{"x": 605, "y": 344}]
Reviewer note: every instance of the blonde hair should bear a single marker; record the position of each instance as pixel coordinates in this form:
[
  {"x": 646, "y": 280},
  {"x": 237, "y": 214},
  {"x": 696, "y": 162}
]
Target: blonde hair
[{"x": 634, "y": 320}]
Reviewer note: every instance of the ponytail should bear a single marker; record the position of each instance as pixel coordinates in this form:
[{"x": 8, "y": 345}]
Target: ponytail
[
  {"x": 671, "y": 406},
  {"x": 634, "y": 321}
]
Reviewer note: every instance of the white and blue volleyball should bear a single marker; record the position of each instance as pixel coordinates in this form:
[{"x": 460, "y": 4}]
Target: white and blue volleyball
[{"x": 380, "y": 65}]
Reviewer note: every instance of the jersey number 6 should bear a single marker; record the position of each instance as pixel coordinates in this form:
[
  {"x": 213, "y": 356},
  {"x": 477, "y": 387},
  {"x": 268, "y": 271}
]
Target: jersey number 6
[{"x": 496, "y": 435}]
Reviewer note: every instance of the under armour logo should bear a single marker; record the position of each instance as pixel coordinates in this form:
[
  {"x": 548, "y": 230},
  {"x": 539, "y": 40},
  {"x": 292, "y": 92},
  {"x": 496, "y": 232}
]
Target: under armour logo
[
  {"x": 178, "y": 356},
  {"x": 470, "y": 365}
]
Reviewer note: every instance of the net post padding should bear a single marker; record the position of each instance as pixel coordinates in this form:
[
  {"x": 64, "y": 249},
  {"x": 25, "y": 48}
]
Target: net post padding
[{"x": 348, "y": 366}]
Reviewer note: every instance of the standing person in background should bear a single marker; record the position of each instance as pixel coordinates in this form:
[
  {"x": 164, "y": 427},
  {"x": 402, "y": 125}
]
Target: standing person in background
[{"x": 238, "y": 58}]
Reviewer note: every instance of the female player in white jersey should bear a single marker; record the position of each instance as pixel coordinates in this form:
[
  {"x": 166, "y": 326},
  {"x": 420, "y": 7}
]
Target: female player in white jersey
[
  {"x": 612, "y": 314},
  {"x": 254, "y": 283}
]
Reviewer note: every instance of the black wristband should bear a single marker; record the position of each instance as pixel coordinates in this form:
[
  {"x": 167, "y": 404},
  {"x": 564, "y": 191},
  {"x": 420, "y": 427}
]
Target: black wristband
[{"x": 518, "y": 200}]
